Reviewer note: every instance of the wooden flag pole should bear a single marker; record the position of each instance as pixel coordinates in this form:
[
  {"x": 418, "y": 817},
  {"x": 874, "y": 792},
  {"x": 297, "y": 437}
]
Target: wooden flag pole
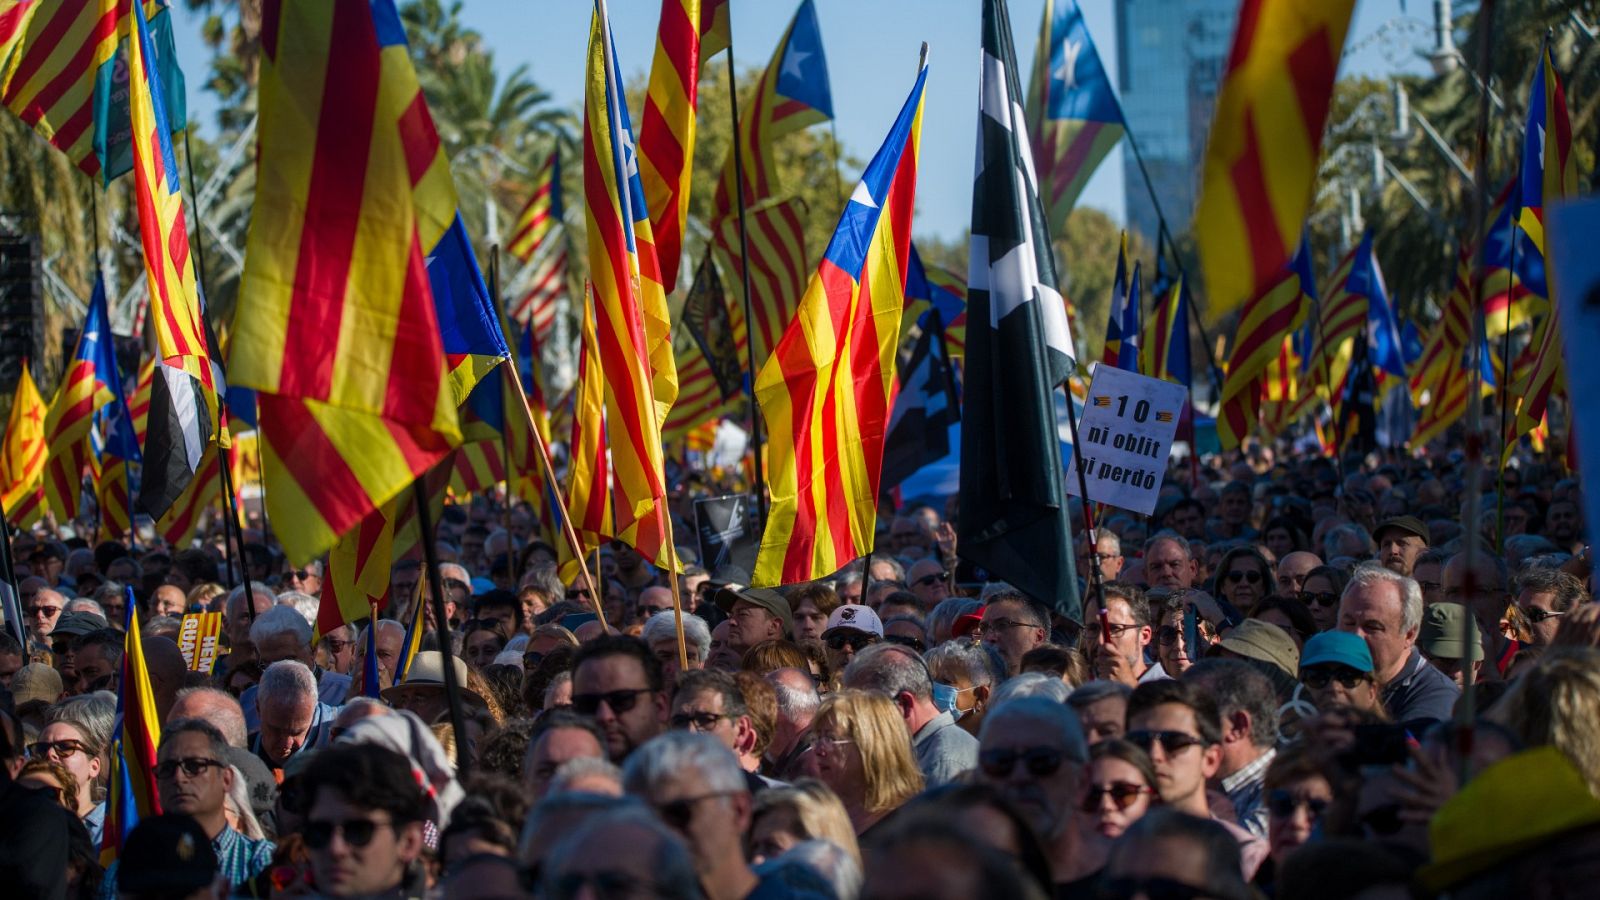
[
  {"x": 560, "y": 501},
  {"x": 441, "y": 627},
  {"x": 672, "y": 575}
]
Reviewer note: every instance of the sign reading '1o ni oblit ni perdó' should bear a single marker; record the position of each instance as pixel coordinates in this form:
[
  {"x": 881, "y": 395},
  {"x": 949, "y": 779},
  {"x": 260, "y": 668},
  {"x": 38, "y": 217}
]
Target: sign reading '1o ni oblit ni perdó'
[{"x": 1126, "y": 431}]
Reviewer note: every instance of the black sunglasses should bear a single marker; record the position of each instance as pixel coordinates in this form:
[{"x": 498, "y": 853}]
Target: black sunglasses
[
  {"x": 1152, "y": 888},
  {"x": 1171, "y": 741},
  {"x": 1318, "y": 679},
  {"x": 1122, "y": 794},
  {"x": 357, "y": 832},
  {"x": 1247, "y": 575},
  {"x": 192, "y": 766},
  {"x": 619, "y": 701},
  {"x": 1282, "y": 804},
  {"x": 841, "y": 640},
  {"x": 930, "y": 579},
  {"x": 1320, "y": 598},
  {"x": 1041, "y": 762},
  {"x": 905, "y": 641}
]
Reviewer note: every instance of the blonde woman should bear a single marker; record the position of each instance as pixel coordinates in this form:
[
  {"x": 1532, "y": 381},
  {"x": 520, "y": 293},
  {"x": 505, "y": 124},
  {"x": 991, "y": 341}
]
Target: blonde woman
[
  {"x": 860, "y": 749},
  {"x": 1557, "y": 703},
  {"x": 806, "y": 810},
  {"x": 201, "y": 595}
]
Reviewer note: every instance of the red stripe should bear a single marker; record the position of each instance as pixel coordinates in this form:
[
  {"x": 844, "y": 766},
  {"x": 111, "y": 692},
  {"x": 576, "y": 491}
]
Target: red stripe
[
  {"x": 1267, "y": 253},
  {"x": 314, "y": 462},
  {"x": 418, "y": 138},
  {"x": 44, "y": 44},
  {"x": 417, "y": 360},
  {"x": 1076, "y": 158},
  {"x": 1244, "y": 35},
  {"x": 1311, "y": 70},
  {"x": 334, "y": 202}
]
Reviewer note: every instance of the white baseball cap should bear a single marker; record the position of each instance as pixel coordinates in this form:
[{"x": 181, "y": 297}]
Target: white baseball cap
[{"x": 854, "y": 616}]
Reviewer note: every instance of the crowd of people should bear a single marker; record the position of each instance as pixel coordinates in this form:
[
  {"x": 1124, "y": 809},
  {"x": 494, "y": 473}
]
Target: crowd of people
[{"x": 1293, "y": 680}]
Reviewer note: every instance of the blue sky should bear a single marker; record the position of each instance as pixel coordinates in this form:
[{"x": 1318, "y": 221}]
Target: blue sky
[{"x": 872, "y": 56}]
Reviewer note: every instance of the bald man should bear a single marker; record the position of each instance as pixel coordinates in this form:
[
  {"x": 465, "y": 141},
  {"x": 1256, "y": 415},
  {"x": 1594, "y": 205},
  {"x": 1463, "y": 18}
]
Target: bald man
[
  {"x": 168, "y": 600},
  {"x": 215, "y": 706},
  {"x": 1292, "y": 571}
]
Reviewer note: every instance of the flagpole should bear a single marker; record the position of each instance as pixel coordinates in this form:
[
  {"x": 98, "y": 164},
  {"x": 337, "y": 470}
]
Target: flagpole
[
  {"x": 230, "y": 509},
  {"x": 441, "y": 626},
  {"x": 744, "y": 270},
  {"x": 505, "y": 431},
  {"x": 94, "y": 207},
  {"x": 1094, "y": 581}
]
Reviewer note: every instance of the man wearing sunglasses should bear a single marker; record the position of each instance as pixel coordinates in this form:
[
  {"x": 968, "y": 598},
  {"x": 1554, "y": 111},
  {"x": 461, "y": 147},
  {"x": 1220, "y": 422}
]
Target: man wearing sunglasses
[
  {"x": 1336, "y": 669},
  {"x": 1179, "y": 726},
  {"x": 364, "y": 821},
  {"x": 929, "y": 581},
  {"x": 851, "y": 629},
  {"x": 1543, "y": 597},
  {"x": 617, "y": 681},
  {"x": 1032, "y": 750},
  {"x": 307, "y": 579},
  {"x": 193, "y": 779},
  {"x": 708, "y": 701}
]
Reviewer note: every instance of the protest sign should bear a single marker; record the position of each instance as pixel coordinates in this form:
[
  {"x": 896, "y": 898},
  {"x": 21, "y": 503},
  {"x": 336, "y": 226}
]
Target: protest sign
[
  {"x": 1126, "y": 431},
  {"x": 197, "y": 639},
  {"x": 727, "y": 532}
]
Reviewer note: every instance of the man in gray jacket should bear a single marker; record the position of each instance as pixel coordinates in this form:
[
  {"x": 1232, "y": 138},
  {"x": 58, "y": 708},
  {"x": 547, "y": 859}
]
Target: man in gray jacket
[{"x": 942, "y": 749}]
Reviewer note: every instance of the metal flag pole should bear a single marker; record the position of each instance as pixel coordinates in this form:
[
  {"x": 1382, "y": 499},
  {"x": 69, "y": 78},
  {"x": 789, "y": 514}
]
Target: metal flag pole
[
  {"x": 759, "y": 468},
  {"x": 505, "y": 430}
]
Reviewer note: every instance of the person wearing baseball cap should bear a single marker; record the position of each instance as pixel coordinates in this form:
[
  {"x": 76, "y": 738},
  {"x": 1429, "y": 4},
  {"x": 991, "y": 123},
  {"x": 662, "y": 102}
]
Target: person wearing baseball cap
[
  {"x": 1336, "y": 669},
  {"x": 1442, "y": 641},
  {"x": 851, "y": 628},
  {"x": 754, "y": 615},
  {"x": 1400, "y": 541}
]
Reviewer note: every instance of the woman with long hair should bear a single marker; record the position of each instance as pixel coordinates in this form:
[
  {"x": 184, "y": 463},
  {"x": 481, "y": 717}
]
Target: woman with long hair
[{"x": 859, "y": 748}]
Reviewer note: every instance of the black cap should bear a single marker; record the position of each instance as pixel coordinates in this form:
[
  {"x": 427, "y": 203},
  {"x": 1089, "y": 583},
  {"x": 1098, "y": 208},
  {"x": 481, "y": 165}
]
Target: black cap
[
  {"x": 78, "y": 624},
  {"x": 1407, "y": 524},
  {"x": 166, "y": 854}
]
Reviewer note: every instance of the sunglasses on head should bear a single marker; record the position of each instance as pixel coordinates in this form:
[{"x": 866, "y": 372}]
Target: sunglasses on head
[
  {"x": 905, "y": 641},
  {"x": 1123, "y": 794},
  {"x": 619, "y": 701},
  {"x": 1041, "y": 762},
  {"x": 1283, "y": 804},
  {"x": 1320, "y": 598},
  {"x": 318, "y": 834},
  {"x": 1171, "y": 741},
  {"x": 1319, "y": 679},
  {"x": 851, "y": 638},
  {"x": 1250, "y": 576}
]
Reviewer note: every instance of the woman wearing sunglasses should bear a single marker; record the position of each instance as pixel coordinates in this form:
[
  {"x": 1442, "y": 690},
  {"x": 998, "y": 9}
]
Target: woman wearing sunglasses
[
  {"x": 1119, "y": 787},
  {"x": 859, "y": 748},
  {"x": 1298, "y": 793},
  {"x": 78, "y": 733},
  {"x": 1243, "y": 577},
  {"x": 1320, "y": 592}
]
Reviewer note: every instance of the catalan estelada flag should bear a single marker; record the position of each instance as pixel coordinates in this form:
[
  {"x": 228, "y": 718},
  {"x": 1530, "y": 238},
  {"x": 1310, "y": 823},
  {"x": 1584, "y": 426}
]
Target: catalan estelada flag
[
  {"x": 828, "y": 389},
  {"x": 88, "y": 383},
  {"x": 666, "y": 134},
  {"x": 1447, "y": 339},
  {"x": 1073, "y": 115},
  {"x": 1117, "y": 308},
  {"x": 336, "y": 327},
  {"x": 1549, "y": 173},
  {"x": 1514, "y": 289},
  {"x": 60, "y": 73},
  {"x": 930, "y": 289},
  {"x": 131, "y": 793},
  {"x": 542, "y": 213},
  {"x": 630, "y": 304},
  {"x": 139, "y": 403},
  {"x": 1266, "y": 137},
  {"x": 1258, "y": 343},
  {"x": 1164, "y": 352},
  {"x": 118, "y": 449},
  {"x": 22, "y": 455},
  {"x": 469, "y": 328}
]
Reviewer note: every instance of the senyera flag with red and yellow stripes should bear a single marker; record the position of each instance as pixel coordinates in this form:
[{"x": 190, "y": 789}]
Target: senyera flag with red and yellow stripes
[
  {"x": 542, "y": 213},
  {"x": 829, "y": 387},
  {"x": 1258, "y": 343},
  {"x": 631, "y": 324},
  {"x": 22, "y": 455},
  {"x": 337, "y": 328},
  {"x": 1266, "y": 137},
  {"x": 666, "y": 134}
]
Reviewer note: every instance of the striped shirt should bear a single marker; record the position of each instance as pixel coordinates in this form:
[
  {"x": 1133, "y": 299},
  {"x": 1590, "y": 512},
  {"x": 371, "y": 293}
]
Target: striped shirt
[{"x": 239, "y": 859}]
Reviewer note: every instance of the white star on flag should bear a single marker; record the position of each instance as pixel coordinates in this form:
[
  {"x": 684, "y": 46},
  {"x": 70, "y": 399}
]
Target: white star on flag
[
  {"x": 863, "y": 196},
  {"x": 1068, "y": 73},
  {"x": 791, "y": 62}
]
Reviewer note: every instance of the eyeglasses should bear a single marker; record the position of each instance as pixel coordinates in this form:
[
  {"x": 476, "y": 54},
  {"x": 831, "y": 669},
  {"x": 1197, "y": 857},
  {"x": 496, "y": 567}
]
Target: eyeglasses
[
  {"x": 1152, "y": 888},
  {"x": 1003, "y": 624},
  {"x": 1117, "y": 630},
  {"x": 620, "y": 701},
  {"x": 1319, "y": 679},
  {"x": 905, "y": 641},
  {"x": 678, "y": 814},
  {"x": 335, "y": 645},
  {"x": 1249, "y": 576},
  {"x": 1041, "y": 762},
  {"x": 831, "y": 744},
  {"x": 701, "y": 721},
  {"x": 192, "y": 766},
  {"x": 1123, "y": 794},
  {"x": 931, "y": 579},
  {"x": 1282, "y": 804},
  {"x": 1536, "y": 615},
  {"x": 319, "y": 834},
  {"x": 648, "y": 611},
  {"x": 851, "y": 638},
  {"x": 1172, "y": 742},
  {"x": 1320, "y": 598},
  {"x": 60, "y": 749}
]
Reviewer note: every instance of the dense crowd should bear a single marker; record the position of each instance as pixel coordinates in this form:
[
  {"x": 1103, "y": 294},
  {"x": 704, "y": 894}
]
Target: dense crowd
[{"x": 1293, "y": 680}]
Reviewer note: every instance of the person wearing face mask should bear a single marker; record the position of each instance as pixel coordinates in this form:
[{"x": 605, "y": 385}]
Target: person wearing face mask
[
  {"x": 943, "y": 751},
  {"x": 965, "y": 675}
]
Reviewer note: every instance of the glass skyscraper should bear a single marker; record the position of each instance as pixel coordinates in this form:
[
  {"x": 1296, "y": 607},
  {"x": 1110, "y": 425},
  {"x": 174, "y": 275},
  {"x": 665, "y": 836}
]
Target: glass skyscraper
[{"x": 1170, "y": 59}]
